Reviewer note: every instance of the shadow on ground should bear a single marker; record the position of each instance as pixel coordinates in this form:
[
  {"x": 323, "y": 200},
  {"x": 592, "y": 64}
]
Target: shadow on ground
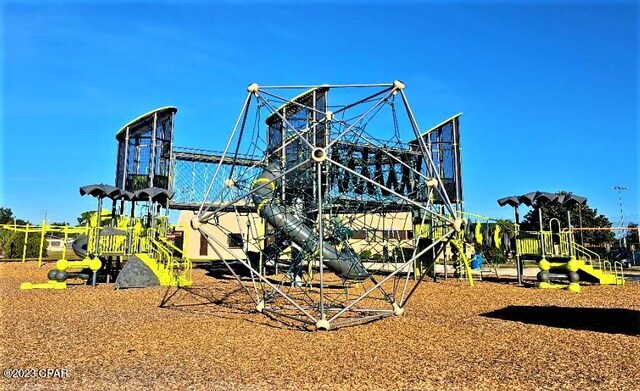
[{"x": 604, "y": 320}]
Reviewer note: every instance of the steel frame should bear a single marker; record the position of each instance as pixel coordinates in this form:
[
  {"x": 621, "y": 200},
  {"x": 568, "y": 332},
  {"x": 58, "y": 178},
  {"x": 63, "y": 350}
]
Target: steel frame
[{"x": 319, "y": 306}]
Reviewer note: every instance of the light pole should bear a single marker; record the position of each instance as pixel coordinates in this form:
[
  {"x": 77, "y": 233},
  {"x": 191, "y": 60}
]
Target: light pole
[{"x": 620, "y": 189}]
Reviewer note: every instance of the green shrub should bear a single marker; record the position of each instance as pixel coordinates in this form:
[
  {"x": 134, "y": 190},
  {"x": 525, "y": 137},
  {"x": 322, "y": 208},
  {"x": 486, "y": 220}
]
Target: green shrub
[{"x": 13, "y": 243}]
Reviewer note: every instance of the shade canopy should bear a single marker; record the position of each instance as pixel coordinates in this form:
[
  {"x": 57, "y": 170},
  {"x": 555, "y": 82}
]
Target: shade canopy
[
  {"x": 546, "y": 197},
  {"x": 101, "y": 190},
  {"x": 534, "y": 197},
  {"x": 572, "y": 199},
  {"x": 126, "y": 195},
  {"x": 511, "y": 201},
  {"x": 156, "y": 194},
  {"x": 528, "y": 198}
]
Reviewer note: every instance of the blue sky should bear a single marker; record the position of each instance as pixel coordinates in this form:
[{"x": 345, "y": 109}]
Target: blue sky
[{"x": 549, "y": 91}]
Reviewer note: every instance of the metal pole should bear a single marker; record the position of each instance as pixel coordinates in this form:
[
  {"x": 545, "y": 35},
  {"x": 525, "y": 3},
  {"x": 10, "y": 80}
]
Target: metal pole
[
  {"x": 306, "y": 87},
  {"x": 24, "y": 247},
  {"x": 44, "y": 227},
  {"x": 64, "y": 247},
  {"x": 125, "y": 166},
  {"x": 211, "y": 238},
  {"x": 541, "y": 234},
  {"x": 245, "y": 106},
  {"x": 98, "y": 223},
  {"x": 580, "y": 222},
  {"x": 519, "y": 262},
  {"x": 569, "y": 233},
  {"x": 623, "y": 239},
  {"x": 152, "y": 166},
  {"x": 171, "y": 171},
  {"x": 320, "y": 238}
]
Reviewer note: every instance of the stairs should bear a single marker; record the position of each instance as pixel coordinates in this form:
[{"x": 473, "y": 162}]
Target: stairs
[
  {"x": 173, "y": 273},
  {"x": 602, "y": 275}
]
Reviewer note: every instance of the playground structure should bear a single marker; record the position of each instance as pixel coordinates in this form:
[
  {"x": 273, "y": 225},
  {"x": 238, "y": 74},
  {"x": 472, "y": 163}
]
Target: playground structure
[
  {"x": 556, "y": 250},
  {"x": 335, "y": 213},
  {"x": 115, "y": 239},
  {"x": 103, "y": 247},
  {"x": 328, "y": 176}
]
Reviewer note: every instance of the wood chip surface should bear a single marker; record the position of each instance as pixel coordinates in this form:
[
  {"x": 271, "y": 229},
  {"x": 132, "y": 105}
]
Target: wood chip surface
[{"x": 490, "y": 337}]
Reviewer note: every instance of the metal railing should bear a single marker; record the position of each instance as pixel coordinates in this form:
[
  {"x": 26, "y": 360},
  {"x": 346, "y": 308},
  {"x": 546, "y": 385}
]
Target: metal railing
[
  {"x": 606, "y": 267},
  {"x": 619, "y": 273},
  {"x": 150, "y": 241},
  {"x": 529, "y": 246},
  {"x": 556, "y": 243},
  {"x": 591, "y": 256},
  {"x": 180, "y": 266}
]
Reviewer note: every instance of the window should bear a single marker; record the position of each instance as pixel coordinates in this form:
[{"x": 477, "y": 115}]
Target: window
[
  {"x": 235, "y": 241},
  {"x": 204, "y": 245}
]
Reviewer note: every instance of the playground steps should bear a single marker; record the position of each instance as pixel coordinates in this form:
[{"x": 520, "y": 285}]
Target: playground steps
[
  {"x": 600, "y": 276},
  {"x": 167, "y": 275}
]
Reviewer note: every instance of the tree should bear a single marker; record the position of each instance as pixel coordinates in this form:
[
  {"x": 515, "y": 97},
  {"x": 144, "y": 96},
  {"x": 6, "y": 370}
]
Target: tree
[
  {"x": 85, "y": 217},
  {"x": 590, "y": 219},
  {"x": 59, "y": 223},
  {"x": 632, "y": 235},
  {"x": 12, "y": 242},
  {"x": 13, "y": 245},
  {"x": 7, "y": 217}
]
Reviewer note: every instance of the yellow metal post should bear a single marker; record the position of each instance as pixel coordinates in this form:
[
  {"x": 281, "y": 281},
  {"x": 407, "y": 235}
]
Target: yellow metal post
[
  {"x": 44, "y": 228},
  {"x": 24, "y": 247},
  {"x": 64, "y": 246}
]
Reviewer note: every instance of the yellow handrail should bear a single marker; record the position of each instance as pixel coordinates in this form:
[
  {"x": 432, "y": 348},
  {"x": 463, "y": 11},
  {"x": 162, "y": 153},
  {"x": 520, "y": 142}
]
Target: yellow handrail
[
  {"x": 618, "y": 276},
  {"x": 528, "y": 246},
  {"x": 590, "y": 254},
  {"x": 184, "y": 265},
  {"x": 607, "y": 267}
]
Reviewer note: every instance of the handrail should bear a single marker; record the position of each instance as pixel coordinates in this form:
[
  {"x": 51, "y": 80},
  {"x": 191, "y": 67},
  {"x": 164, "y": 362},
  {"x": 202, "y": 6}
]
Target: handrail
[
  {"x": 589, "y": 254},
  {"x": 607, "y": 267},
  {"x": 183, "y": 264},
  {"x": 160, "y": 249},
  {"x": 618, "y": 276}
]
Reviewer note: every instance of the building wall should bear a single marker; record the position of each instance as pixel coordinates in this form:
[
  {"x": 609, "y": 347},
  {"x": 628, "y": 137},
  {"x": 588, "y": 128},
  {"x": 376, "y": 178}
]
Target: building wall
[
  {"x": 372, "y": 233},
  {"x": 223, "y": 231}
]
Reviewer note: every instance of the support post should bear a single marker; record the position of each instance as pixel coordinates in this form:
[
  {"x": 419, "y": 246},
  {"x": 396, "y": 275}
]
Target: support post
[
  {"x": 44, "y": 227},
  {"x": 322, "y": 322},
  {"x": 542, "y": 247},
  {"x": 64, "y": 245},
  {"x": 98, "y": 223},
  {"x": 580, "y": 222},
  {"x": 24, "y": 247},
  {"x": 519, "y": 262},
  {"x": 570, "y": 234}
]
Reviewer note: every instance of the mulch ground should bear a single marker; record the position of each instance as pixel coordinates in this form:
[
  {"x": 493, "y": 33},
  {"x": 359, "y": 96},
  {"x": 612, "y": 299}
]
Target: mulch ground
[{"x": 492, "y": 336}]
